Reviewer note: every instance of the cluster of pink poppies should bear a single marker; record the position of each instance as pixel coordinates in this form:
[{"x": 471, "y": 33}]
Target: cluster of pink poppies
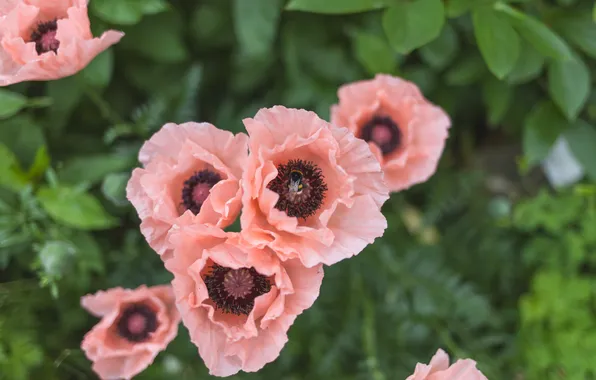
[{"x": 307, "y": 192}]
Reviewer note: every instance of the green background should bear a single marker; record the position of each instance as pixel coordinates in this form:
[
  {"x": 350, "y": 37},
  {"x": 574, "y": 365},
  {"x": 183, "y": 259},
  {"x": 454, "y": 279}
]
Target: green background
[{"x": 484, "y": 260}]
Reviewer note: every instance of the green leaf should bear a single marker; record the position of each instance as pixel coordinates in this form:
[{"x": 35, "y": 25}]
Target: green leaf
[
  {"x": 11, "y": 103},
  {"x": 582, "y": 141},
  {"x": 126, "y": 12},
  {"x": 594, "y": 13},
  {"x": 74, "y": 208},
  {"x": 569, "y": 85},
  {"x": 374, "y": 53},
  {"x": 66, "y": 94},
  {"x": 11, "y": 174},
  {"x": 24, "y": 137},
  {"x": 413, "y": 24},
  {"x": 56, "y": 257},
  {"x": 335, "y": 6},
  {"x": 542, "y": 127},
  {"x": 255, "y": 23},
  {"x": 163, "y": 44},
  {"x": 467, "y": 70},
  {"x": 579, "y": 29},
  {"x": 497, "y": 97},
  {"x": 440, "y": 52},
  {"x": 456, "y": 8},
  {"x": 544, "y": 40},
  {"x": 92, "y": 169},
  {"x": 40, "y": 163},
  {"x": 99, "y": 72},
  {"x": 528, "y": 66},
  {"x": 114, "y": 188},
  {"x": 497, "y": 40}
]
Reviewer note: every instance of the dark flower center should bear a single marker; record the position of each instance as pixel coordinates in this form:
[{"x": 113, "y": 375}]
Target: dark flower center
[
  {"x": 234, "y": 290},
  {"x": 45, "y": 37},
  {"x": 382, "y": 131},
  {"x": 137, "y": 322},
  {"x": 301, "y": 188},
  {"x": 196, "y": 189}
]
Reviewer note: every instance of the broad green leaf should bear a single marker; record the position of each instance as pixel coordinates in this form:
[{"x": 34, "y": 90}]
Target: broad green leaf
[
  {"x": 335, "y": 6},
  {"x": 467, "y": 70},
  {"x": 497, "y": 40},
  {"x": 40, "y": 163},
  {"x": 56, "y": 257},
  {"x": 74, "y": 208},
  {"x": 66, "y": 94},
  {"x": 423, "y": 76},
  {"x": 11, "y": 174},
  {"x": 99, "y": 72},
  {"x": 541, "y": 128},
  {"x": 582, "y": 141},
  {"x": 11, "y": 103},
  {"x": 114, "y": 188},
  {"x": 374, "y": 53},
  {"x": 594, "y": 13},
  {"x": 456, "y": 8},
  {"x": 410, "y": 25},
  {"x": 24, "y": 137},
  {"x": 544, "y": 40},
  {"x": 126, "y": 12},
  {"x": 569, "y": 85},
  {"x": 579, "y": 29},
  {"x": 255, "y": 23},
  {"x": 440, "y": 52},
  {"x": 89, "y": 255},
  {"x": 497, "y": 97},
  {"x": 163, "y": 44},
  {"x": 210, "y": 24},
  {"x": 528, "y": 66},
  {"x": 93, "y": 169}
]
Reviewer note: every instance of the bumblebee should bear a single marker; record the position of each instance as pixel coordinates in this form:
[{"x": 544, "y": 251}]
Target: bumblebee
[{"x": 295, "y": 185}]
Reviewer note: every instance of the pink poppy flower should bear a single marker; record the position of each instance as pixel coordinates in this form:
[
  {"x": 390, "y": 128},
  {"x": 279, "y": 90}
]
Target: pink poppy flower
[
  {"x": 312, "y": 191},
  {"x": 439, "y": 369},
  {"x": 135, "y": 326},
  {"x": 405, "y": 131},
  {"x": 236, "y": 301},
  {"x": 46, "y": 40},
  {"x": 191, "y": 168}
]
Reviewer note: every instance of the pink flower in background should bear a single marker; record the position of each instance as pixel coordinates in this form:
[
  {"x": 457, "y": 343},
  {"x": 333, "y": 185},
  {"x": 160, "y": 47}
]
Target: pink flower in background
[
  {"x": 236, "y": 301},
  {"x": 46, "y": 40},
  {"x": 191, "y": 168},
  {"x": 312, "y": 191},
  {"x": 135, "y": 326},
  {"x": 439, "y": 369},
  {"x": 406, "y": 132}
]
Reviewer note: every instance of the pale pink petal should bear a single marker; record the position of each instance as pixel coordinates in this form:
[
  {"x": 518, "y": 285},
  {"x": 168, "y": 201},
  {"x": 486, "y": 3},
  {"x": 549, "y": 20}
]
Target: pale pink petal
[
  {"x": 116, "y": 356},
  {"x": 422, "y": 126},
  {"x": 349, "y": 170},
  {"x": 19, "y": 60},
  {"x": 171, "y": 157}
]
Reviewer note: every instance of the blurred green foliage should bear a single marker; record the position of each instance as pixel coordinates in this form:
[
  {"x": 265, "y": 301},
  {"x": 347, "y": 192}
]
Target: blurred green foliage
[{"x": 481, "y": 260}]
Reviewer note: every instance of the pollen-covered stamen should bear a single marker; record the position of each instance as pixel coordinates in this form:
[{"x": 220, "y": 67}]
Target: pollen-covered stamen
[
  {"x": 234, "y": 290},
  {"x": 301, "y": 188},
  {"x": 197, "y": 188},
  {"x": 382, "y": 131},
  {"x": 45, "y": 37},
  {"x": 137, "y": 322}
]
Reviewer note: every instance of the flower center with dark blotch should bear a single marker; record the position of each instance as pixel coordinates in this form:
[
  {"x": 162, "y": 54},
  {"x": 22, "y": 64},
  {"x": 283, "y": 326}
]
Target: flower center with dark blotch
[
  {"x": 301, "y": 187},
  {"x": 45, "y": 37},
  {"x": 137, "y": 322},
  {"x": 234, "y": 290},
  {"x": 382, "y": 131},
  {"x": 197, "y": 188}
]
